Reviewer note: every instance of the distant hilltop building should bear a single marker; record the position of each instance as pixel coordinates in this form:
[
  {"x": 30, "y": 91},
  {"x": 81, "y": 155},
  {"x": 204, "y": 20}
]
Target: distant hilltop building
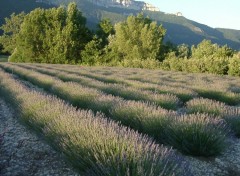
[{"x": 179, "y": 14}]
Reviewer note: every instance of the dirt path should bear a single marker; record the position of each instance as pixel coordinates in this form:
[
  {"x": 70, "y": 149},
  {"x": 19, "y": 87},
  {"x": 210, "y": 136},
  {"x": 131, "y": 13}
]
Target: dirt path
[{"x": 22, "y": 153}]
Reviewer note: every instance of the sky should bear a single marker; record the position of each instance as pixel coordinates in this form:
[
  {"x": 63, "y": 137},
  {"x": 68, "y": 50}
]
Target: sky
[{"x": 214, "y": 13}]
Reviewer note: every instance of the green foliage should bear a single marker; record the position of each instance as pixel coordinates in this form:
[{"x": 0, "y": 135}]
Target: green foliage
[
  {"x": 56, "y": 35},
  {"x": 183, "y": 51},
  {"x": 206, "y": 49},
  {"x": 11, "y": 29},
  {"x": 217, "y": 65},
  {"x": 180, "y": 29},
  {"x": 137, "y": 63},
  {"x": 204, "y": 65},
  {"x": 104, "y": 29},
  {"x": 234, "y": 65},
  {"x": 172, "y": 63},
  {"x": 59, "y": 35},
  {"x": 205, "y": 58},
  {"x": 1, "y": 48},
  {"x": 137, "y": 38},
  {"x": 92, "y": 53}
]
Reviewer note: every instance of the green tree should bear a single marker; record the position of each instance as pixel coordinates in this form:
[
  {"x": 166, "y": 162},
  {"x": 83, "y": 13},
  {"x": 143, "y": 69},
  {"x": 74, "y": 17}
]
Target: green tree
[
  {"x": 104, "y": 29},
  {"x": 53, "y": 42},
  {"x": 234, "y": 65},
  {"x": 75, "y": 35},
  {"x": 183, "y": 51},
  {"x": 29, "y": 43},
  {"x": 171, "y": 62},
  {"x": 203, "y": 49},
  {"x": 225, "y": 51},
  {"x": 92, "y": 53},
  {"x": 11, "y": 29},
  {"x": 167, "y": 49},
  {"x": 56, "y": 35},
  {"x": 1, "y": 49},
  {"x": 209, "y": 50},
  {"x": 217, "y": 65},
  {"x": 137, "y": 38}
]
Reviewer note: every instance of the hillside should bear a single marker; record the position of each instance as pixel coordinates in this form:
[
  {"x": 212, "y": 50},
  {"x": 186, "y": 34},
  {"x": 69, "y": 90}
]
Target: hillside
[
  {"x": 179, "y": 29},
  {"x": 17, "y": 6},
  {"x": 230, "y": 34}
]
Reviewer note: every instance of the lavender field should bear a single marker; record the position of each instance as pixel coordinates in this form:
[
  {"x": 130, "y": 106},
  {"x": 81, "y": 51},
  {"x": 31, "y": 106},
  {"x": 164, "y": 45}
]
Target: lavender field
[{"x": 125, "y": 121}]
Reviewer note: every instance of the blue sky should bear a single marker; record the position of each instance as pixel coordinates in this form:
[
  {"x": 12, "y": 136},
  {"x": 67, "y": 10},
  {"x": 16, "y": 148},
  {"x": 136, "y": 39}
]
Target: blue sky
[{"x": 214, "y": 13}]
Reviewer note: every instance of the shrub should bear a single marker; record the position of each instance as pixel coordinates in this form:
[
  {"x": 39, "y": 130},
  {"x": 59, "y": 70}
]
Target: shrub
[
  {"x": 197, "y": 134},
  {"x": 172, "y": 63},
  {"x": 195, "y": 65},
  {"x": 234, "y": 66},
  {"x": 233, "y": 120},
  {"x": 202, "y": 105},
  {"x": 230, "y": 114},
  {"x": 229, "y": 98},
  {"x": 142, "y": 117},
  {"x": 138, "y": 63},
  {"x": 167, "y": 101},
  {"x": 217, "y": 65}
]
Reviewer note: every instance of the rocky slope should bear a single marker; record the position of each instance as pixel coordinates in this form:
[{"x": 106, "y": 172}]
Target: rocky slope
[{"x": 130, "y": 4}]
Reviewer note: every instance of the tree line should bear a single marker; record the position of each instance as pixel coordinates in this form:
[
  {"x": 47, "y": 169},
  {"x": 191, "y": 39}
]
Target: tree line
[{"x": 60, "y": 36}]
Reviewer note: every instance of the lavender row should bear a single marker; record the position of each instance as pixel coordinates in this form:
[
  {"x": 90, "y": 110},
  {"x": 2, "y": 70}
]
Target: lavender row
[{"x": 196, "y": 134}]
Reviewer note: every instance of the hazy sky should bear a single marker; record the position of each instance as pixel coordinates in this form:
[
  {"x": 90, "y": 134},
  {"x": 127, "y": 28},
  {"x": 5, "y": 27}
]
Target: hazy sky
[{"x": 214, "y": 13}]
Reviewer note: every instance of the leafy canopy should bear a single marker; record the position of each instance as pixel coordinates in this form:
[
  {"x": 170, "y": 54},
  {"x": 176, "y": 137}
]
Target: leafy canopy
[
  {"x": 11, "y": 29},
  {"x": 137, "y": 38},
  {"x": 56, "y": 35}
]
